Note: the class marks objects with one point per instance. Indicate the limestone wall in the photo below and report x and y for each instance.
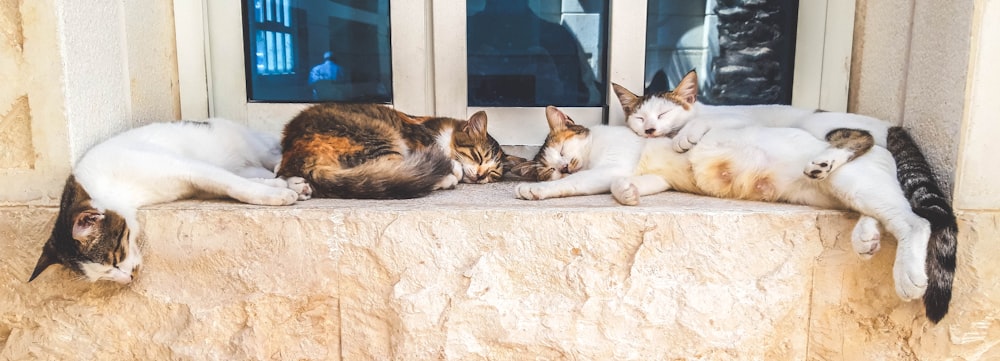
(73, 73)
(680, 277)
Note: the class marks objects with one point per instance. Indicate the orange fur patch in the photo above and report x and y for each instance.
(319, 150)
(721, 179)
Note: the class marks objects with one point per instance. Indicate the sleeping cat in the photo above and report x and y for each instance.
(374, 151)
(96, 228)
(754, 163)
(677, 114)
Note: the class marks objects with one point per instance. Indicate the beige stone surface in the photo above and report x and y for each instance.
(15, 135)
(473, 274)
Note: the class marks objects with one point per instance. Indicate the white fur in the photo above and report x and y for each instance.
(613, 154)
(628, 166)
(163, 162)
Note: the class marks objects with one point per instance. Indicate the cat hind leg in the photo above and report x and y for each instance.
(845, 146)
(266, 177)
(221, 182)
(873, 190)
(300, 186)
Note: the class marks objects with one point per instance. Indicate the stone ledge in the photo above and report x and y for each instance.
(474, 274)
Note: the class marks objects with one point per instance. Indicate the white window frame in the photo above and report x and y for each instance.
(429, 79)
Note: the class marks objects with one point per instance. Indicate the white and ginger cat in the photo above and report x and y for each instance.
(753, 163)
(96, 228)
(677, 114)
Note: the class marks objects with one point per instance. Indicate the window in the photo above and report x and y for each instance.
(344, 47)
(534, 54)
(743, 52)
(508, 57)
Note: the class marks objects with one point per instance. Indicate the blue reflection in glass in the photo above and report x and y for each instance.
(318, 51)
(536, 53)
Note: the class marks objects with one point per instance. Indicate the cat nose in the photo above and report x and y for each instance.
(564, 169)
(650, 131)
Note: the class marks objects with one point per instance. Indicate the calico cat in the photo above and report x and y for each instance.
(754, 163)
(96, 227)
(678, 114)
(376, 152)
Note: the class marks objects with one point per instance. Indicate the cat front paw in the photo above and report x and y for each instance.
(625, 192)
(530, 191)
(910, 278)
(865, 238)
(300, 187)
(448, 182)
(689, 136)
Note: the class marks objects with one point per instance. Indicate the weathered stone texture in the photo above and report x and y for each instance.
(473, 274)
(15, 136)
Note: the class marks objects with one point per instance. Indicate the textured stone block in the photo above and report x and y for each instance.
(473, 274)
(15, 135)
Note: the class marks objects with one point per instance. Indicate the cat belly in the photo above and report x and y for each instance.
(761, 164)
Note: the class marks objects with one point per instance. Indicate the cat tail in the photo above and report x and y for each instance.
(414, 176)
(928, 201)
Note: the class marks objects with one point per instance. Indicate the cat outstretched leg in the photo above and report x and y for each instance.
(628, 190)
(218, 181)
(586, 182)
(869, 186)
(266, 177)
(845, 146)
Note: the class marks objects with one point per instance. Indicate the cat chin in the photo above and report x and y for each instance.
(98, 272)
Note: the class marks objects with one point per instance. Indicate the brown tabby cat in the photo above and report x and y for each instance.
(372, 151)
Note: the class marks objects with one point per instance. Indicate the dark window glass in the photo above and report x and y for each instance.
(537, 53)
(743, 51)
(318, 50)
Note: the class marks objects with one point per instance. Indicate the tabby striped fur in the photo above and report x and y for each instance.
(372, 151)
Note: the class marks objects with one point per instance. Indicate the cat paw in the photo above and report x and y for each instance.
(866, 237)
(625, 192)
(910, 278)
(825, 163)
(279, 197)
(300, 187)
(530, 191)
(818, 169)
(689, 136)
(448, 182)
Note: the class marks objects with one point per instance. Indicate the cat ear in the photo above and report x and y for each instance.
(477, 124)
(85, 225)
(687, 89)
(557, 119)
(629, 100)
(47, 259)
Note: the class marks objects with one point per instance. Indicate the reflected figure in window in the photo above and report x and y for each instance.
(516, 58)
(326, 79)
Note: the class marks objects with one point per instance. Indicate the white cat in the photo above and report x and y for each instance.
(96, 228)
(755, 163)
(677, 114)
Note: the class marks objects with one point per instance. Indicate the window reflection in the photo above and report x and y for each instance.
(743, 51)
(319, 50)
(536, 53)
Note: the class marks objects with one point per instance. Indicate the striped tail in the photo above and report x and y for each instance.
(412, 177)
(927, 200)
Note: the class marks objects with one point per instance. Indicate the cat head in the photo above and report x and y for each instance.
(660, 114)
(91, 242)
(564, 152)
(480, 155)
